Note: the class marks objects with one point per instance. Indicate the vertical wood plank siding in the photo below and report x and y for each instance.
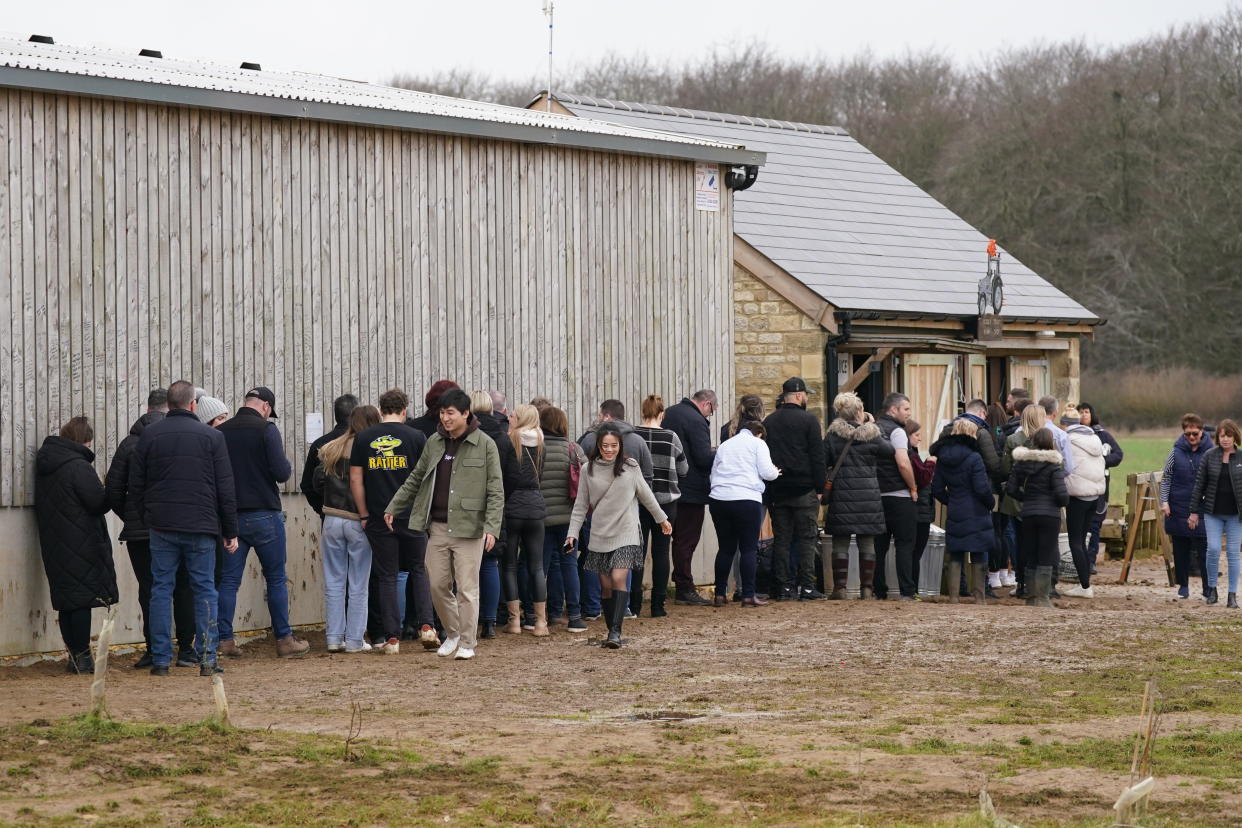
(142, 244)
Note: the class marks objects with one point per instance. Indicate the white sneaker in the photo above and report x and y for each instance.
(392, 647)
(449, 646)
(336, 648)
(365, 648)
(994, 580)
(1008, 578)
(464, 653)
(1079, 592)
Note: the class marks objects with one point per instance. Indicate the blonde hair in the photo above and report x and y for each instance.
(1033, 419)
(847, 404)
(526, 417)
(332, 453)
(965, 427)
(481, 402)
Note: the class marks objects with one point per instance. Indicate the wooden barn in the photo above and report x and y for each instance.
(164, 219)
(851, 276)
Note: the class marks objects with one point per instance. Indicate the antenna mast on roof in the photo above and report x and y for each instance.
(547, 10)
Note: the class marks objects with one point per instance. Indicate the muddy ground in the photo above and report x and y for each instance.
(816, 713)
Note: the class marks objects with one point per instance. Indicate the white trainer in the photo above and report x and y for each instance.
(1008, 578)
(392, 647)
(994, 580)
(1079, 592)
(449, 646)
(336, 648)
(464, 653)
(364, 648)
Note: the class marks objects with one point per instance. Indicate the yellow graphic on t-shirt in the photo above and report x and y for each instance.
(385, 446)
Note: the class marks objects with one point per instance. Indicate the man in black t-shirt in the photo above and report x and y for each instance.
(383, 457)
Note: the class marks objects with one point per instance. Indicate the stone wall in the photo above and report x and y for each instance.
(774, 341)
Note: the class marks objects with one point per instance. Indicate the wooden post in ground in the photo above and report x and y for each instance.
(1136, 497)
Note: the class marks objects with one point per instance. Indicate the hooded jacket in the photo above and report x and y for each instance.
(686, 421)
(1178, 482)
(70, 504)
(796, 441)
(855, 507)
(1038, 482)
(987, 446)
(961, 483)
(1089, 479)
(1207, 479)
(116, 482)
(635, 447)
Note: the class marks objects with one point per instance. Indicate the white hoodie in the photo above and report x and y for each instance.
(1086, 480)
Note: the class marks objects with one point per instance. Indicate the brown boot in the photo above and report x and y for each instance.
(840, 571)
(866, 577)
(955, 579)
(541, 618)
(514, 627)
(229, 649)
(291, 646)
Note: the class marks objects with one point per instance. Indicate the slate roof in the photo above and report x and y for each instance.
(847, 225)
(104, 72)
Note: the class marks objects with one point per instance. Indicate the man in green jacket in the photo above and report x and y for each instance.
(456, 495)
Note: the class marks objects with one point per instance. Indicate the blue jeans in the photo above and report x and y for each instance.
(197, 552)
(564, 587)
(1230, 528)
(264, 532)
(346, 579)
(590, 592)
(489, 588)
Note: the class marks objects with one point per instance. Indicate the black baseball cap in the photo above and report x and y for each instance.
(264, 393)
(793, 385)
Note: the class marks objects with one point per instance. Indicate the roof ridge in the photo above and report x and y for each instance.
(698, 114)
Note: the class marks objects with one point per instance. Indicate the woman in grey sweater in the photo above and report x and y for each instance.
(611, 490)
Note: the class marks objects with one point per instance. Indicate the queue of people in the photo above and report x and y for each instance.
(472, 519)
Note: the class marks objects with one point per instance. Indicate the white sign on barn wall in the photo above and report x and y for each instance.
(707, 187)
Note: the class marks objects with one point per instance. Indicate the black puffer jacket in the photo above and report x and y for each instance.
(1038, 482)
(1203, 496)
(181, 479)
(70, 504)
(855, 507)
(796, 441)
(116, 482)
(498, 430)
(554, 479)
(523, 496)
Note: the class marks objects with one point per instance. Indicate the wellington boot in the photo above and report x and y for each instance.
(979, 578)
(621, 602)
(837, 594)
(1040, 588)
(541, 619)
(954, 578)
(514, 627)
(1028, 586)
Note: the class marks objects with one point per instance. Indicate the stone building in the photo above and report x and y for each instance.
(851, 276)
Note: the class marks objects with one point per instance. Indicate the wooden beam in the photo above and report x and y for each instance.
(778, 279)
(859, 375)
(1140, 494)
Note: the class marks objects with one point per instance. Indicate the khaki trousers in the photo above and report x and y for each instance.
(449, 560)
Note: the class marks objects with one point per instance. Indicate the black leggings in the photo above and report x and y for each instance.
(525, 541)
(75, 628)
(1040, 546)
(999, 559)
(1078, 516)
(1184, 550)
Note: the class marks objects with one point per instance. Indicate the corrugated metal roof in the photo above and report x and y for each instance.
(60, 67)
(850, 227)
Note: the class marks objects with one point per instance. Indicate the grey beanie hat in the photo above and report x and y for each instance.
(209, 408)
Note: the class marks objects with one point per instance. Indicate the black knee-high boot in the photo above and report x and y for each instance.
(617, 618)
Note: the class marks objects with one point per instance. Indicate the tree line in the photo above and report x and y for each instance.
(1115, 173)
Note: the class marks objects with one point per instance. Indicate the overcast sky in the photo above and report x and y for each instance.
(373, 40)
